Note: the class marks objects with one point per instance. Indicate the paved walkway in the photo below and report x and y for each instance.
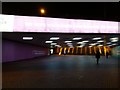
(62, 72)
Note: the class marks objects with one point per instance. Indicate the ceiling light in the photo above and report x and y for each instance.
(77, 38)
(92, 44)
(53, 43)
(67, 41)
(96, 38)
(100, 45)
(100, 41)
(27, 38)
(85, 41)
(80, 46)
(114, 40)
(109, 43)
(79, 42)
(54, 38)
(57, 45)
(114, 44)
(48, 41)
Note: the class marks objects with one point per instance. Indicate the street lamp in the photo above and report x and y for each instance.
(42, 11)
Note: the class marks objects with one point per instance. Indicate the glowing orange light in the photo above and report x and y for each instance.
(105, 50)
(72, 50)
(100, 50)
(60, 51)
(42, 11)
(68, 50)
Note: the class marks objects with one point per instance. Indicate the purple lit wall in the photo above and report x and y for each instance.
(59, 25)
(12, 51)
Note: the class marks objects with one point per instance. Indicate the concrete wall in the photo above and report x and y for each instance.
(116, 52)
(13, 51)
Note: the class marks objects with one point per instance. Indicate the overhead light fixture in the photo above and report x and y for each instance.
(70, 45)
(77, 38)
(97, 38)
(48, 41)
(100, 41)
(68, 41)
(79, 42)
(57, 45)
(114, 40)
(54, 38)
(53, 43)
(100, 45)
(108, 43)
(81, 46)
(85, 41)
(27, 38)
(114, 44)
(92, 44)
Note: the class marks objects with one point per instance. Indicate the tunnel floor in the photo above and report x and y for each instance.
(61, 72)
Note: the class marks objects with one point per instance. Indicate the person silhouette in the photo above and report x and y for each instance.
(107, 55)
(97, 55)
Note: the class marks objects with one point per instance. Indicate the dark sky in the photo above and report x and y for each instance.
(78, 10)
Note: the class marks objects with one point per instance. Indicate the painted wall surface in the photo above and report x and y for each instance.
(116, 52)
(12, 51)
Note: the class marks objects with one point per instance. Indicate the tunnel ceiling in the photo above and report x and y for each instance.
(40, 38)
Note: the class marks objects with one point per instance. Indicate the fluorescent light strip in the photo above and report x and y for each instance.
(77, 38)
(92, 44)
(53, 43)
(109, 43)
(48, 41)
(80, 46)
(79, 42)
(114, 41)
(54, 38)
(114, 44)
(100, 45)
(100, 41)
(115, 38)
(97, 38)
(85, 41)
(57, 45)
(68, 41)
(27, 38)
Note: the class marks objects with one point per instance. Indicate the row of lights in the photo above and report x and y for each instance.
(69, 43)
(83, 42)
